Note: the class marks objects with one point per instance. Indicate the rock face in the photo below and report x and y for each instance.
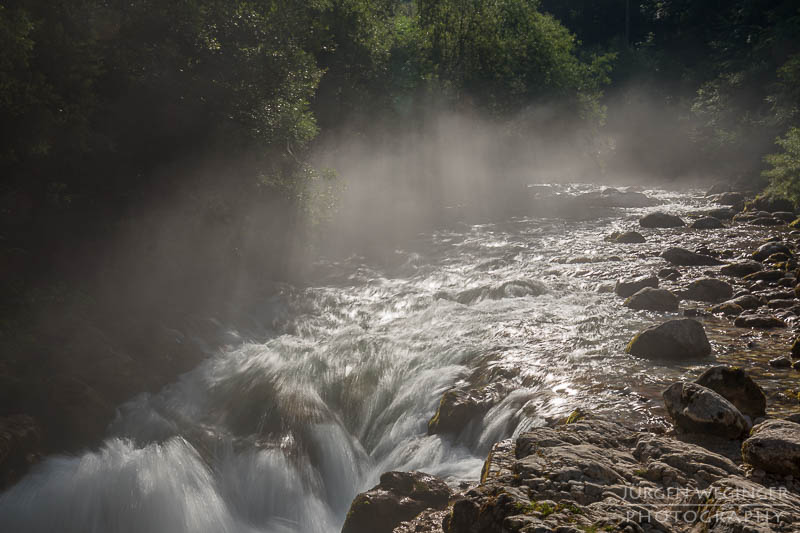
(707, 223)
(678, 339)
(594, 476)
(625, 288)
(661, 220)
(697, 409)
(774, 446)
(708, 290)
(651, 299)
(737, 387)
(399, 496)
(739, 270)
(770, 248)
(683, 257)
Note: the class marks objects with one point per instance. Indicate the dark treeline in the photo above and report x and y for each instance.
(156, 153)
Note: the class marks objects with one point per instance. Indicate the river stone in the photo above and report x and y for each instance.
(770, 204)
(708, 290)
(782, 303)
(766, 250)
(707, 223)
(677, 339)
(774, 446)
(683, 257)
(758, 321)
(727, 309)
(766, 221)
(780, 362)
(650, 299)
(796, 348)
(730, 198)
(737, 387)
(630, 237)
(458, 407)
(698, 409)
(739, 270)
(764, 275)
(626, 288)
(722, 213)
(786, 216)
(748, 301)
(399, 496)
(661, 220)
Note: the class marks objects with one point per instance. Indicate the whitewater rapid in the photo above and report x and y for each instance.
(278, 431)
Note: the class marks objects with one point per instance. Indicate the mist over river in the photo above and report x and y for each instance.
(333, 383)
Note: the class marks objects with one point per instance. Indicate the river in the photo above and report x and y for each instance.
(278, 430)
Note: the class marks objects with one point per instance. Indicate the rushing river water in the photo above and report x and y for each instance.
(279, 434)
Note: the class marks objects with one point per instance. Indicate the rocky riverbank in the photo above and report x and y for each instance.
(726, 455)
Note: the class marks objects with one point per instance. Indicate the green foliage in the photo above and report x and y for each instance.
(784, 176)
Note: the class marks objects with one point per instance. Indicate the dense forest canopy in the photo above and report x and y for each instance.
(108, 107)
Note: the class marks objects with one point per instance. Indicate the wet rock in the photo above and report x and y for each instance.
(708, 290)
(796, 365)
(796, 348)
(727, 309)
(669, 273)
(785, 216)
(747, 301)
(661, 220)
(739, 270)
(777, 295)
(770, 204)
(20, 447)
(722, 213)
(766, 221)
(782, 304)
(428, 521)
(730, 198)
(759, 322)
(651, 299)
(770, 248)
(683, 257)
(630, 237)
(626, 288)
(774, 446)
(678, 339)
(458, 407)
(780, 362)
(400, 496)
(764, 275)
(733, 384)
(697, 409)
(707, 223)
(777, 258)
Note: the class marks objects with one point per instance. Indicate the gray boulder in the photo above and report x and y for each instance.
(774, 446)
(737, 387)
(697, 409)
(730, 198)
(708, 290)
(678, 339)
(766, 250)
(399, 496)
(683, 257)
(748, 301)
(707, 223)
(739, 270)
(625, 288)
(650, 299)
(758, 321)
(629, 237)
(661, 220)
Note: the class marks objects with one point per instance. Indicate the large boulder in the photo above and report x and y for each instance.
(770, 204)
(708, 290)
(707, 223)
(650, 299)
(683, 257)
(678, 339)
(626, 288)
(661, 220)
(399, 496)
(737, 387)
(742, 269)
(774, 446)
(767, 249)
(697, 409)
